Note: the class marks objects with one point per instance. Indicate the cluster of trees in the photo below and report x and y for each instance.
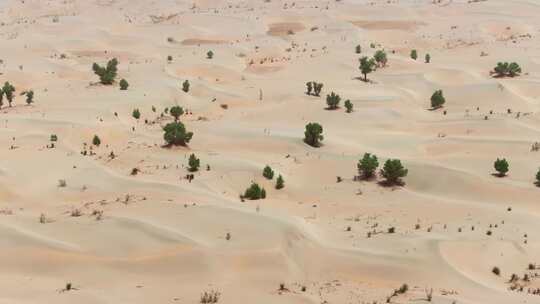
(254, 192)
(314, 88)
(505, 69)
(268, 173)
(333, 100)
(8, 90)
(392, 170)
(108, 73)
(414, 56)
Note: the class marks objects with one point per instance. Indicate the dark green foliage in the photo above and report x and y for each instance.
(185, 86)
(210, 55)
(54, 137)
(437, 99)
(414, 54)
(309, 86)
(313, 134)
(428, 58)
(9, 92)
(332, 101)
(123, 84)
(136, 114)
(176, 112)
(358, 49)
(268, 172)
(348, 106)
(538, 178)
(315, 87)
(176, 134)
(29, 96)
(254, 192)
(194, 163)
(96, 141)
(106, 74)
(280, 183)
(367, 166)
(381, 58)
(393, 171)
(505, 69)
(367, 65)
(501, 166)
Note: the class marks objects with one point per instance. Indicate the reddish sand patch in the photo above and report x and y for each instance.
(285, 28)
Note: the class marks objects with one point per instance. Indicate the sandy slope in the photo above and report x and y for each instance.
(161, 239)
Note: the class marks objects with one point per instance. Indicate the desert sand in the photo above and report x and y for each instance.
(78, 226)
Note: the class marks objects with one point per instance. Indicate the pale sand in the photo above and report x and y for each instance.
(162, 239)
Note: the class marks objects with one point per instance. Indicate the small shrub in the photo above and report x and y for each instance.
(136, 114)
(332, 101)
(358, 49)
(108, 73)
(96, 141)
(348, 106)
(437, 99)
(176, 112)
(414, 54)
(268, 173)
(501, 166)
(123, 84)
(254, 192)
(210, 55)
(185, 86)
(194, 163)
(428, 58)
(280, 183)
(367, 165)
(496, 271)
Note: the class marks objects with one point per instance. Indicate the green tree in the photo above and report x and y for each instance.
(136, 114)
(414, 54)
(309, 86)
(255, 192)
(317, 87)
(393, 171)
(428, 58)
(501, 166)
(332, 101)
(280, 183)
(504, 69)
(9, 92)
(381, 58)
(368, 165)
(367, 66)
(210, 55)
(313, 134)
(108, 73)
(123, 84)
(193, 163)
(96, 141)
(175, 134)
(29, 96)
(437, 99)
(348, 106)
(268, 173)
(176, 112)
(185, 86)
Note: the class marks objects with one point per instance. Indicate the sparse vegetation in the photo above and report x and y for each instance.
(280, 182)
(254, 192)
(193, 163)
(176, 112)
(437, 99)
(348, 106)
(332, 100)
(313, 134)
(393, 171)
(367, 166)
(185, 86)
(210, 55)
(136, 114)
(268, 173)
(414, 54)
(123, 84)
(108, 73)
(175, 134)
(367, 65)
(314, 87)
(505, 69)
(501, 166)
(96, 141)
